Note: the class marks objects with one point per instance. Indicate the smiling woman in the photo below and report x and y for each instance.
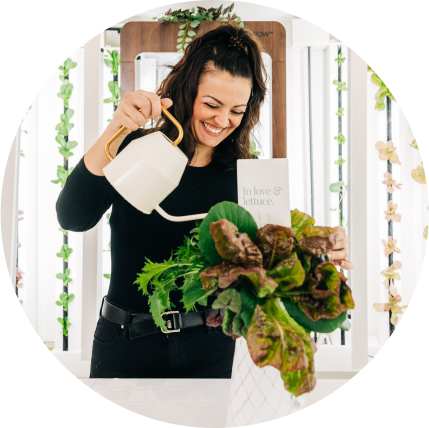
(218, 110)
(215, 91)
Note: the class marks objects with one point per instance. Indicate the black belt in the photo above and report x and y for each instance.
(142, 324)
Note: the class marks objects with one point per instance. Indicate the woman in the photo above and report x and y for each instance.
(215, 91)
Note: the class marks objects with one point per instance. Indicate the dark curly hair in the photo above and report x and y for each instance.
(207, 52)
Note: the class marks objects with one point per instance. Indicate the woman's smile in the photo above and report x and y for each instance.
(212, 130)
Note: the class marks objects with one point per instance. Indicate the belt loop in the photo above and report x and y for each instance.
(208, 328)
(125, 326)
(102, 303)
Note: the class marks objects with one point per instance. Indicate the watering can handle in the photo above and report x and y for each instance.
(167, 113)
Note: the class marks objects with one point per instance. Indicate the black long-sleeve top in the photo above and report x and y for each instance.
(135, 235)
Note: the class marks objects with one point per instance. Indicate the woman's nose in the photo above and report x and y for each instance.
(222, 119)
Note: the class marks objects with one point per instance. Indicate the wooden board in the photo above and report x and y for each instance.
(138, 37)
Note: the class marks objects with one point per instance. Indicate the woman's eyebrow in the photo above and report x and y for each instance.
(221, 103)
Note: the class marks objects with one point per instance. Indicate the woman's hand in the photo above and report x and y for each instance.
(339, 254)
(136, 108)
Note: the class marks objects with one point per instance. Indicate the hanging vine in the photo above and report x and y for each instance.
(340, 187)
(190, 19)
(63, 171)
(113, 61)
(387, 152)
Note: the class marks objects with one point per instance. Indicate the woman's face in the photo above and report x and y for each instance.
(219, 106)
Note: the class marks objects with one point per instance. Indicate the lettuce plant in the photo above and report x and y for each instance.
(391, 212)
(390, 246)
(419, 174)
(190, 19)
(390, 183)
(414, 144)
(253, 272)
(387, 152)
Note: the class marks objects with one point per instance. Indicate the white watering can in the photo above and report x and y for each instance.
(148, 170)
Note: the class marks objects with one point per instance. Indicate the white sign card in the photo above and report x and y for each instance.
(263, 190)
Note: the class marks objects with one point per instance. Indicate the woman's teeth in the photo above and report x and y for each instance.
(211, 129)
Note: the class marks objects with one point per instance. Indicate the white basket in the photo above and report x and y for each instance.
(257, 395)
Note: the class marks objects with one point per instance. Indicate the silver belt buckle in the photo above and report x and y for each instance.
(169, 323)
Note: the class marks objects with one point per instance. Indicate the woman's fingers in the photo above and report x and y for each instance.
(166, 102)
(341, 232)
(342, 243)
(338, 254)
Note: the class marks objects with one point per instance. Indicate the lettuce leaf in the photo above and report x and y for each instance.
(272, 341)
(234, 246)
(275, 242)
(262, 284)
(322, 325)
(237, 215)
(318, 240)
(288, 274)
(228, 298)
(299, 221)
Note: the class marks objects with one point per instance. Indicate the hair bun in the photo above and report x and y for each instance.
(236, 43)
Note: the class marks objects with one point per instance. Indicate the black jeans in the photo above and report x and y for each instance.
(194, 352)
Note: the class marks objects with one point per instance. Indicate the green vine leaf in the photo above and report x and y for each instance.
(65, 252)
(340, 59)
(340, 161)
(62, 175)
(340, 112)
(340, 138)
(336, 187)
(341, 86)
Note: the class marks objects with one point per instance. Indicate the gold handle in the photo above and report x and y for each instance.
(167, 113)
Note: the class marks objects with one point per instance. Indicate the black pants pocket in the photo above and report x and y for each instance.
(107, 332)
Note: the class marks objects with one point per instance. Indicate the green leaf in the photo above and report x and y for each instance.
(192, 33)
(107, 275)
(195, 23)
(228, 298)
(193, 293)
(60, 140)
(150, 271)
(275, 242)
(288, 274)
(336, 187)
(263, 285)
(182, 26)
(156, 309)
(236, 215)
(238, 326)
(274, 339)
(248, 303)
(299, 221)
(320, 326)
(181, 33)
(228, 318)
